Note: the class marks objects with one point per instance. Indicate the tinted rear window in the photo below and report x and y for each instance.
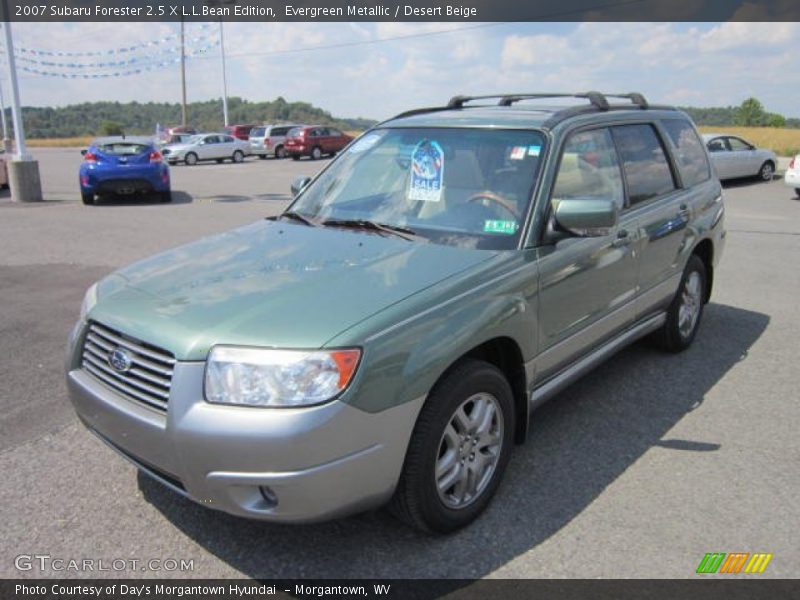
(258, 132)
(123, 149)
(280, 130)
(689, 153)
(644, 162)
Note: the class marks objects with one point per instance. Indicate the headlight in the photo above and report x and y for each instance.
(267, 377)
(89, 300)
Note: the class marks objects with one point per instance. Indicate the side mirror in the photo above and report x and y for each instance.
(83, 152)
(587, 217)
(298, 184)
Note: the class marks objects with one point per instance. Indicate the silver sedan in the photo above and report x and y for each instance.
(207, 146)
(734, 157)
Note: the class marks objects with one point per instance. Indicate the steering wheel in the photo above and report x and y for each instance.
(497, 199)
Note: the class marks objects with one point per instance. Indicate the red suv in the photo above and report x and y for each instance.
(315, 142)
(239, 131)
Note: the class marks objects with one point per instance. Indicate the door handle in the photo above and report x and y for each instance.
(622, 239)
(684, 212)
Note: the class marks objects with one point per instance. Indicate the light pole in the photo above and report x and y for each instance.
(183, 76)
(220, 4)
(224, 76)
(6, 141)
(23, 171)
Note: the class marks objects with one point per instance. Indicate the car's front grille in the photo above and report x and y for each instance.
(142, 372)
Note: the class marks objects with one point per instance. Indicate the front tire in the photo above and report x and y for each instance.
(686, 309)
(87, 198)
(767, 171)
(316, 153)
(458, 451)
(191, 159)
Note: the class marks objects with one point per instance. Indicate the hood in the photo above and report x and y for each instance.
(270, 284)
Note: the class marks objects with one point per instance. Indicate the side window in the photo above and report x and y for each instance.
(226, 139)
(334, 132)
(691, 158)
(644, 162)
(717, 145)
(279, 131)
(737, 144)
(589, 168)
(314, 133)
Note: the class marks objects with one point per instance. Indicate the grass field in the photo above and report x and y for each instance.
(71, 142)
(784, 142)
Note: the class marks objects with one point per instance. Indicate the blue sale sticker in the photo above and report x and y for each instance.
(427, 172)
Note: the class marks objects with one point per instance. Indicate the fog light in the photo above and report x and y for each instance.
(268, 495)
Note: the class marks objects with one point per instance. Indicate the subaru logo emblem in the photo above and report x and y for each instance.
(119, 360)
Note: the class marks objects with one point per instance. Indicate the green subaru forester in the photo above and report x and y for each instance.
(385, 339)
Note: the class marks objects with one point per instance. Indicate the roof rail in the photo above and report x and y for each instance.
(635, 98)
(597, 99)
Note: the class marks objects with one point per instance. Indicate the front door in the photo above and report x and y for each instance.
(587, 285)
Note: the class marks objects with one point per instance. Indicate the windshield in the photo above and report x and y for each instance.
(458, 187)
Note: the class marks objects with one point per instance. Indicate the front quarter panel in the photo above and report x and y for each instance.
(407, 349)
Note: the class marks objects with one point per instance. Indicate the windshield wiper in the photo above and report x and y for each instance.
(296, 216)
(396, 230)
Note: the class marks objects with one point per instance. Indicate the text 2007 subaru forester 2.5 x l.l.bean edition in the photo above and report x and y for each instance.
(385, 339)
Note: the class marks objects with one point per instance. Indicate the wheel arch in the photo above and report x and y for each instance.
(705, 252)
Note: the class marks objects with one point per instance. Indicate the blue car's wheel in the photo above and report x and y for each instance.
(87, 198)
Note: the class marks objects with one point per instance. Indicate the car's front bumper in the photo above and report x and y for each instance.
(317, 462)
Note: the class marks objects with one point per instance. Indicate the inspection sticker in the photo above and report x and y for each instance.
(427, 172)
(365, 143)
(517, 153)
(506, 227)
(534, 150)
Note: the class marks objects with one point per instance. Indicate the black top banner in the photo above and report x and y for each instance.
(404, 10)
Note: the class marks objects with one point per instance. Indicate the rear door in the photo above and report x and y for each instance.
(661, 208)
(744, 158)
(208, 148)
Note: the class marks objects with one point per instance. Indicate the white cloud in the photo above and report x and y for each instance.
(700, 64)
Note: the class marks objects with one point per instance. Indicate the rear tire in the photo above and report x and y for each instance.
(238, 156)
(191, 159)
(280, 152)
(87, 199)
(464, 432)
(767, 171)
(686, 310)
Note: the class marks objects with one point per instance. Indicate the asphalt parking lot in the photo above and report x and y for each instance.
(636, 471)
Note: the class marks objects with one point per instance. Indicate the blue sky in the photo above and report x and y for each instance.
(701, 64)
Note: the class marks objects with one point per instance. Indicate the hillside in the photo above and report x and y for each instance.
(140, 118)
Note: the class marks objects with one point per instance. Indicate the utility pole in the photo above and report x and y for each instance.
(6, 141)
(183, 76)
(23, 171)
(224, 77)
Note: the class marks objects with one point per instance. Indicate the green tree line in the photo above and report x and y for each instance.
(97, 118)
(750, 113)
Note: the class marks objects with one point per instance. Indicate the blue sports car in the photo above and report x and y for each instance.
(123, 165)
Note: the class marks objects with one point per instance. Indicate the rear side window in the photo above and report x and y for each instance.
(644, 162)
(689, 153)
(279, 130)
(589, 169)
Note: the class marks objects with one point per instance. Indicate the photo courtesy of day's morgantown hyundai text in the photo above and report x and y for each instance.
(385, 339)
